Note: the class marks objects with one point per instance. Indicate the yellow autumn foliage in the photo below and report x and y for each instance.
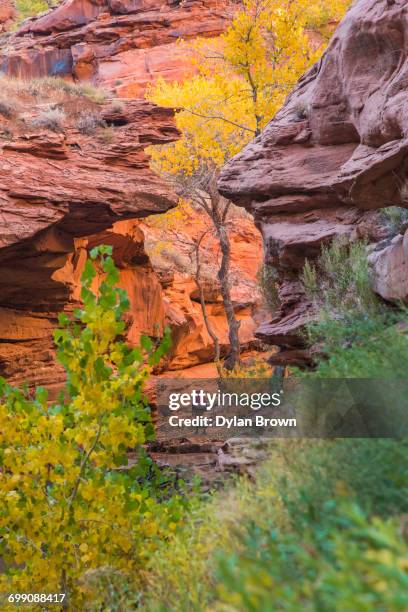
(242, 79)
(70, 503)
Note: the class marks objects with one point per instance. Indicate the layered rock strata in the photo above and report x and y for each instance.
(56, 186)
(120, 44)
(334, 154)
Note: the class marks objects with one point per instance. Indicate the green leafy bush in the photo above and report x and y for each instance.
(29, 8)
(396, 217)
(70, 502)
(314, 511)
(360, 565)
(354, 335)
(340, 279)
(370, 472)
(360, 346)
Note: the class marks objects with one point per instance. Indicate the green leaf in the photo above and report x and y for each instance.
(146, 343)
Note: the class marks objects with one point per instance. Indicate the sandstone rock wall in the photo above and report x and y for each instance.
(170, 257)
(59, 186)
(336, 152)
(120, 44)
(66, 188)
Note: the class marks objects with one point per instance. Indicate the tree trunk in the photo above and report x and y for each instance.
(233, 358)
(207, 323)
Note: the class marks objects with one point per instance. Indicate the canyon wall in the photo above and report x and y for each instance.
(59, 186)
(334, 154)
(171, 256)
(120, 44)
(74, 173)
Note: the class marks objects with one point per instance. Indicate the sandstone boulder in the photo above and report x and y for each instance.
(389, 267)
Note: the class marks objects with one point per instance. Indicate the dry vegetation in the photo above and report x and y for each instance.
(55, 89)
(52, 103)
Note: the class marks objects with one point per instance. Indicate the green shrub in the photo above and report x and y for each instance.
(340, 279)
(360, 565)
(370, 472)
(354, 335)
(30, 8)
(305, 520)
(360, 346)
(396, 217)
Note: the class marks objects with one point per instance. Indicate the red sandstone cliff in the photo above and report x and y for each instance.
(336, 151)
(73, 173)
(58, 184)
(120, 44)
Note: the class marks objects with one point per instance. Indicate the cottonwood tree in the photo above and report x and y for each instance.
(242, 79)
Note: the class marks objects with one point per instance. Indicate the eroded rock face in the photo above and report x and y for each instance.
(120, 44)
(68, 188)
(336, 152)
(389, 269)
(59, 186)
(7, 14)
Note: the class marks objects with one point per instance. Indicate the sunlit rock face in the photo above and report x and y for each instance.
(336, 152)
(120, 44)
(170, 256)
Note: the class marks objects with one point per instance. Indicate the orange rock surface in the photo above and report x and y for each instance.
(64, 189)
(169, 254)
(7, 14)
